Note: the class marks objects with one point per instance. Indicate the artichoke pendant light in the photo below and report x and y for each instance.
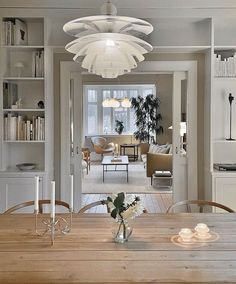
(108, 45)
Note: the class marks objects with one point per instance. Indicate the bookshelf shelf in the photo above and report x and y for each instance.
(225, 78)
(23, 78)
(24, 141)
(23, 110)
(24, 47)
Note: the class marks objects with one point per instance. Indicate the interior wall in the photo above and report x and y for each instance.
(200, 58)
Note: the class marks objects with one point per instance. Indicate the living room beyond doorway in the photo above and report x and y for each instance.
(109, 171)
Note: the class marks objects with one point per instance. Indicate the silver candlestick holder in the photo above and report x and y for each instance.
(53, 226)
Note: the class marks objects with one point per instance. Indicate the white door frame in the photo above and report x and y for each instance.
(152, 67)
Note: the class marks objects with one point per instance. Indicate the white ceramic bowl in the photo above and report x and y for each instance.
(202, 229)
(186, 234)
(26, 166)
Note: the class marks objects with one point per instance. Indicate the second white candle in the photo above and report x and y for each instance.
(53, 200)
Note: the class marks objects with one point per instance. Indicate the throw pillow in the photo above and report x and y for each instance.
(154, 149)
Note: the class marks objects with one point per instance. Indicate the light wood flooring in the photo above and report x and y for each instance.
(154, 203)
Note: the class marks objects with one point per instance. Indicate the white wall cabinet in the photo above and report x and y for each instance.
(17, 190)
(224, 191)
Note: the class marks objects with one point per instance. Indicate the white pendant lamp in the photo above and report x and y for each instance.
(108, 45)
(126, 103)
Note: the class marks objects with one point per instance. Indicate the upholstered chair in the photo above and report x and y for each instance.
(101, 146)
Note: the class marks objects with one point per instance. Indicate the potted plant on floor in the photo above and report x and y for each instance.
(147, 118)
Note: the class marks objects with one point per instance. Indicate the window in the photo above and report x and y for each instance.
(101, 121)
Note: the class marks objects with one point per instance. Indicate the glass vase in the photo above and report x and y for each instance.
(122, 231)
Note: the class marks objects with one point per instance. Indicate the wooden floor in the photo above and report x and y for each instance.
(154, 203)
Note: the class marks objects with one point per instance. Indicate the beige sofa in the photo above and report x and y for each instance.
(155, 161)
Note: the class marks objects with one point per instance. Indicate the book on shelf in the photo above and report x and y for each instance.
(17, 127)
(38, 63)
(225, 66)
(10, 94)
(14, 32)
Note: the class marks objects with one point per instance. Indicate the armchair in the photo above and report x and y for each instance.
(101, 146)
(155, 161)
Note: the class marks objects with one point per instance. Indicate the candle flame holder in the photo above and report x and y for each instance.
(53, 226)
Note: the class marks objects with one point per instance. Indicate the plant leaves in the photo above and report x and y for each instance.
(114, 213)
(118, 202)
(109, 199)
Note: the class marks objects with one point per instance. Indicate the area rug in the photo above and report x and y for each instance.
(116, 181)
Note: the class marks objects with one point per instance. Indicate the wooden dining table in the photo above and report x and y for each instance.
(88, 253)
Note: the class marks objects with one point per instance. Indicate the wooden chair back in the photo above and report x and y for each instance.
(200, 203)
(93, 204)
(31, 203)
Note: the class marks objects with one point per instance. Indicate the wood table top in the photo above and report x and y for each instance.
(89, 255)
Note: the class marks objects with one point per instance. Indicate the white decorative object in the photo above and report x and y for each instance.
(53, 200)
(26, 166)
(105, 44)
(116, 149)
(36, 201)
(19, 66)
(186, 234)
(202, 231)
(71, 192)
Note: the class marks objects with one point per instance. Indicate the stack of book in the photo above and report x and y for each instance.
(38, 63)
(14, 32)
(20, 128)
(225, 67)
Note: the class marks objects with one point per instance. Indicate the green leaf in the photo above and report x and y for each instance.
(118, 202)
(114, 213)
(109, 199)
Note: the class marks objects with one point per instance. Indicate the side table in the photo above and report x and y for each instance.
(132, 157)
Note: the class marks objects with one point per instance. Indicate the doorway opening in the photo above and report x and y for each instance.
(181, 169)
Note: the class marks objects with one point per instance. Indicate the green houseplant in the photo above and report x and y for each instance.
(119, 126)
(147, 118)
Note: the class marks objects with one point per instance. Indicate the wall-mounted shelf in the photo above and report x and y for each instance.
(23, 47)
(23, 78)
(24, 110)
(24, 141)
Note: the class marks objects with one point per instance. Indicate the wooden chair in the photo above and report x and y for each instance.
(93, 204)
(200, 204)
(98, 203)
(31, 203)
(86, 158)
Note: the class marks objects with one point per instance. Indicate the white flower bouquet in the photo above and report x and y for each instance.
(122, 208)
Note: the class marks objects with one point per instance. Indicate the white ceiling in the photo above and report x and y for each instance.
(122, 4)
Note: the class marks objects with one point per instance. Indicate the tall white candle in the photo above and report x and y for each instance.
(36, 199)
(53, 200)
(116, 149)
(71, 192)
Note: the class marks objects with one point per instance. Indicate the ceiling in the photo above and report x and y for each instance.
(122, 4)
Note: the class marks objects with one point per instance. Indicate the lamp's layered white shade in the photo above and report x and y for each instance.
(109, 54)
(107, 24)
(114, 103)
(126, 103)
(106, 103)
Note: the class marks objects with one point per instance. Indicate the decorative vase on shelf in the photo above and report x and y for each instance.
(121, 231)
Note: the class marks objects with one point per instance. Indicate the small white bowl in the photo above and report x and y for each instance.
(202, 230)
(186, 234)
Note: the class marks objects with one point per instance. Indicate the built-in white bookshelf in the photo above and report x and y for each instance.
(23, 93)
